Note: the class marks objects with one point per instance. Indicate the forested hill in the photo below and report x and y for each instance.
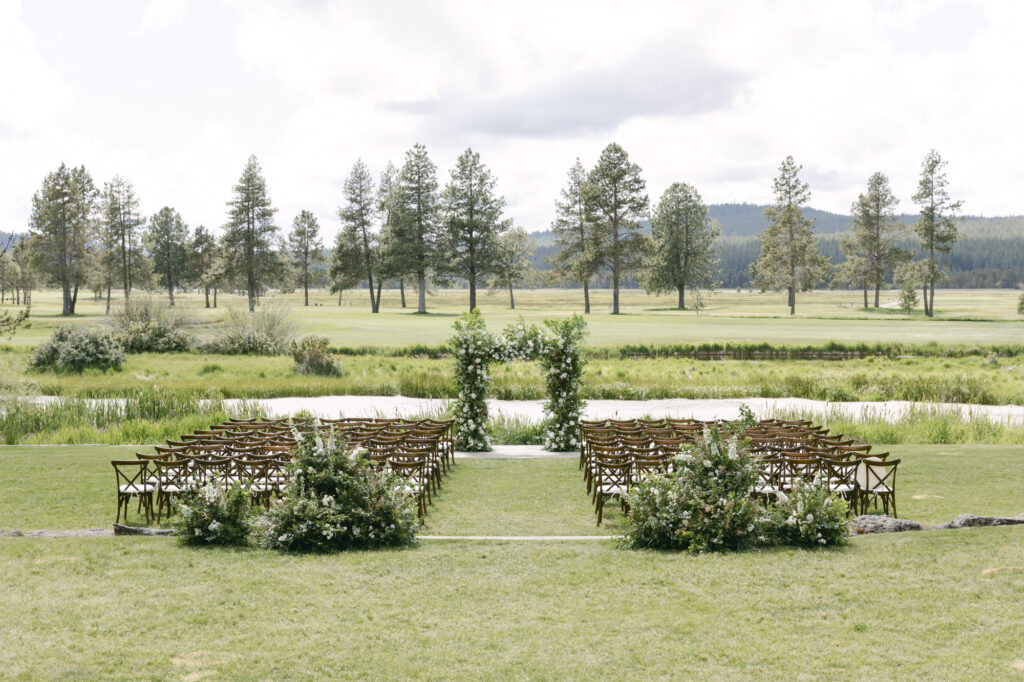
(990, 252)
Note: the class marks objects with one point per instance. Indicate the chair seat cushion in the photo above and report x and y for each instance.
(136, 489)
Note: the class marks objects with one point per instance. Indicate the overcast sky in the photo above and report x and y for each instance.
(176, 94)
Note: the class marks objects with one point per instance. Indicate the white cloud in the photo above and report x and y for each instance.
(711, 93)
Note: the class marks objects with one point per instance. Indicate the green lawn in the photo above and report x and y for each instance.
(73, 487)
(940, 605)
(963, 316)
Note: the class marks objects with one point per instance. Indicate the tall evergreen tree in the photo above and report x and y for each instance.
(417, 234)
(854, 270)
(248, 235)
(574, 234)
(615, 202)
(512, 262)
(121, 232)
(684, 244)
(346, 262)
(389, 262)
(204, 264)
(472, 221)
(62, 223)
(937, 227)
(167, 241)
(789, 258)
(876, 231)
(357, 222)
(306, 247)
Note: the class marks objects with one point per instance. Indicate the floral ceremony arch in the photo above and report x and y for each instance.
(557, 346)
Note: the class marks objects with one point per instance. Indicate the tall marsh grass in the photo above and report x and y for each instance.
(145, 416)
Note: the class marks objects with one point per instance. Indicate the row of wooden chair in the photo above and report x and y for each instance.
(257, 452)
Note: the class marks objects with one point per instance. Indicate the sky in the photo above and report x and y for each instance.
(176, 94)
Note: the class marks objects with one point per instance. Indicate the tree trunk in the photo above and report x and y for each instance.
(376, 306)
(682, 297)
(472, 292)
(511, 298)
(878, 287)
(931, 301)
(401, 289)
(108, 299)
(340, 291)
(865, 294)
(924, 299)
(421, 281)
(586, 298)
(373, 302)
(792, 300)
(215, 297)
(65, 291)
(206, 290)
(170, 293)
(74, 299)
(305, 288)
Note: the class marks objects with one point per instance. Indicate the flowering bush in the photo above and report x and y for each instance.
(312, 357)
(73, 349)
(704, 506)
(212, 515)
(559, 353)
(808, 516)
(335, 501)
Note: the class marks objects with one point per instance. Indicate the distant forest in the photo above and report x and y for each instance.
(989, 254)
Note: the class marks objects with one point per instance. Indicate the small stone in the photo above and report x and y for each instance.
(873, 523)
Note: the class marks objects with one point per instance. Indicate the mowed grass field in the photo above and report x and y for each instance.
(981, 317)
(941, 604)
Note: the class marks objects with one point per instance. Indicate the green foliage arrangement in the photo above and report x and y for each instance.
(809, 516)
(312, 356)
(266, 331)
(705, 506)
(336, 501)
(213, 515)
(75, 348)
(143, 325)
(558, 348)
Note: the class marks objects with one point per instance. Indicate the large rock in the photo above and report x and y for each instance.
(873, 523)
(10, 533)
(973, 521)
(138, 530)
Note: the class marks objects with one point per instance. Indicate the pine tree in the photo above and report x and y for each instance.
(417, 234)
(249, 232)
(684, 244)
(937, 227)
(167, 241)
(357, 222)
(346, 262)
(472, 221)
(575, 237)
(62, 223)
(615, 202)
(306, 247)
(122, 232)
(205, 264)
(512, 262)
(875, 232)
(789, 248)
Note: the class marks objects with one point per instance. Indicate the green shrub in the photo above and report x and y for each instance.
(336, 501)
(1020, 304)
(810, 516)
(704, 506)
(312, 356)
(213, 516)
(143, 325)
(267, 331)
(75, 348)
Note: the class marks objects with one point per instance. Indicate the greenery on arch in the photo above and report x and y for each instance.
(557, 346)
